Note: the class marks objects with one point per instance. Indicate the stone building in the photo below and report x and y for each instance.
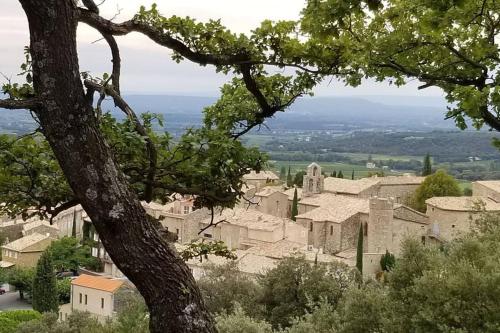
(261, 179)
(96, 295)
(313, 182)
(25, 251)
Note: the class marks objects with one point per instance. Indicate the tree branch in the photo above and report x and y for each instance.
(150, 147)
(12, 104)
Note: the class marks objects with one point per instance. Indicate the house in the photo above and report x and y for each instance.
(259, 179)
(41, 227)
(451, 216)
(94, 294)
(25, 251)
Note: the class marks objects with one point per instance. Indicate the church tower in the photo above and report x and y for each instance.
(313, 180)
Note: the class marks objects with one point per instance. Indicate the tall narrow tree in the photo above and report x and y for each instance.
(359, 251)
(295, 202)
(289, 179)
(340, 174)
(44, 293)
(334, 174)
(352, 175)
(283, 173)
(427, 168)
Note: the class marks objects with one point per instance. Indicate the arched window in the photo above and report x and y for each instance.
(311, 185)
(311, 226)
(365, 227)
(331, 230)
(315, 171)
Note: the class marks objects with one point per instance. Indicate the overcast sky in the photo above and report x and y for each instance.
(148, 69)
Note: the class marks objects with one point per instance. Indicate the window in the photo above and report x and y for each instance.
(80, 298)
(453, 226)
(102, 303)
(423, 240)
(177, 232)
(331, 230)
(311, 226)
(207, 235)
(186, 209)
(85, 299)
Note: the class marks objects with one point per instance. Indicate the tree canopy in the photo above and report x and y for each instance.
(439, 184)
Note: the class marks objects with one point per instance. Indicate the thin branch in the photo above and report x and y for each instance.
(150, 147)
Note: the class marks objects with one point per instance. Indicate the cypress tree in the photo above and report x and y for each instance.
(44, 285)
(283, 173)
(73, 230)
(334, 174)
(295, 209)
(359, 252)
(340, 174)
(289, 180)
(352, 175)
(427, 169)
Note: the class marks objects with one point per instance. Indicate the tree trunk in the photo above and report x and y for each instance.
(69, 124)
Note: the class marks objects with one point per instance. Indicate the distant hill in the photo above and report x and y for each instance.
(317, 113)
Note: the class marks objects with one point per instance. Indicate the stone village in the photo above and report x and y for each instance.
(331, 212)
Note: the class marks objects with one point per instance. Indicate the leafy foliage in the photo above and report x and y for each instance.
(294, 285)
(201, 250)
(10, 320)
(447, 44)
(440, 184)
(387, 261)
(68, 254)
(225, 285)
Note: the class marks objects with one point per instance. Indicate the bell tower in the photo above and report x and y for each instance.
(313, 180)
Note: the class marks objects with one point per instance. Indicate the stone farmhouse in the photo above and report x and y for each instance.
(25, 251)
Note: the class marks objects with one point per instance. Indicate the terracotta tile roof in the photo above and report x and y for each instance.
(262, 175)
(98, 283)
(26, 241)
(464, 204)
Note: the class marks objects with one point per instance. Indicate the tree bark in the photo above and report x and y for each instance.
(69, 124)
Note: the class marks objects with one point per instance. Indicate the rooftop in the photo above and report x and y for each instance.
(262, 175)
(348, 186)
(492, 184)
(249, 218)
(465, 204)
(400, 180)
(37, 223)
(22, 243)
(334, 208)
(98, 283)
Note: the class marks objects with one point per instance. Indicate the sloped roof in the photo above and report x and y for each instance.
(334, 208)
(262, 175)
(268, 190)
(37, 223)
(492, 184)
(24, 242)
(98, 283)
(250, 218)
(400, 180)
(348, 186)
(464, 204)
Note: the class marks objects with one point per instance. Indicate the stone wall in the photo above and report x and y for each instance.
(448, 224)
